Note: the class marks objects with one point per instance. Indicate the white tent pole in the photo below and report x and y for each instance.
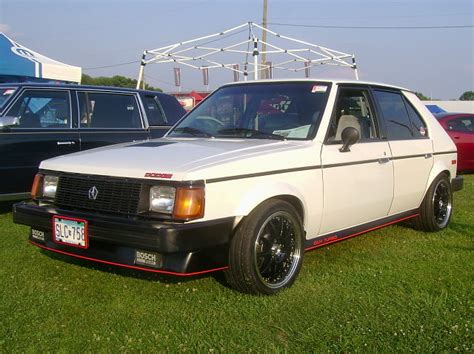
(255, 58)
(354, 66)
(142, 69)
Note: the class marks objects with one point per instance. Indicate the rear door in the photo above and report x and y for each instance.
(46, 130)
(358, 185)
(107, 117)
(412, 150)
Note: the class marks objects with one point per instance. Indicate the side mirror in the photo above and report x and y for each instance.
(9, 121)
(349, 136)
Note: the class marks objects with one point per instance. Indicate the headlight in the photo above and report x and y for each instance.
(185, 203)
(50, 184)
(162, 199)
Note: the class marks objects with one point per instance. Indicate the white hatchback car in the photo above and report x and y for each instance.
(253, 177)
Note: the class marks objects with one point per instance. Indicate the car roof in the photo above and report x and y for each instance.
(328, 80)
(75, 86)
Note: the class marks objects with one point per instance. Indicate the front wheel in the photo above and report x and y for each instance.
(437, 206)
(266, 252)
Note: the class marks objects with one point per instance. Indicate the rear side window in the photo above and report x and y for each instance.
(397, 120)
(154, 111)
(172, 108)
(462, 124)
(42, 109)
(108, 110)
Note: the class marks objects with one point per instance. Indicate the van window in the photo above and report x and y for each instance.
(108, 110)
(42, 109)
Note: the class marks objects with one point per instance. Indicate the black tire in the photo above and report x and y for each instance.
(437, 206)
(267, 250)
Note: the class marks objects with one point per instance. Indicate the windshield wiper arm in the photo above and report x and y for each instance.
(192, 131)
(251, 133)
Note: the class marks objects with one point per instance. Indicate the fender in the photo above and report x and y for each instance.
(263, 191)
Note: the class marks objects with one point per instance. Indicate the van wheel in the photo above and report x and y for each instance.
(437, 206)
(266, 252)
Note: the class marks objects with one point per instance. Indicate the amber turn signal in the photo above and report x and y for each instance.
(189, 203)
(37, 187)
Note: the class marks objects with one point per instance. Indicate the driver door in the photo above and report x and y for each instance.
(358, 184)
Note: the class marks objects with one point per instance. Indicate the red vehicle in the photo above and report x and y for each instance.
(460, 127)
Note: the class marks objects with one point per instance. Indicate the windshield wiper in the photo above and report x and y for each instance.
(250, 133)
(193, 131)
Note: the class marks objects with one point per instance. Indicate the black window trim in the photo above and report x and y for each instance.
(19, 94)
(124, 93)
(380, 129)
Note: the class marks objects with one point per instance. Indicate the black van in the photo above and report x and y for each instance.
(39, 121)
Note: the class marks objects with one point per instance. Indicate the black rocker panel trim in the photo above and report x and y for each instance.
(333, 237)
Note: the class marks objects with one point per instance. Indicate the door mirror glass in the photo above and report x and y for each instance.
(349, 136)
(9, 121)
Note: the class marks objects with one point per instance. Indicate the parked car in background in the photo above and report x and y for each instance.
(291, 166)
(39, 121)
(460, 127)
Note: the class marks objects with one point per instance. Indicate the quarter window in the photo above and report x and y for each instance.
(154, 112)
(106, 110)
(417, 124)
(42, 109)
(353, 109)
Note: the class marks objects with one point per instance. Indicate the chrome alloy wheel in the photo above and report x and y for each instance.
(442, 203)
(278, 249)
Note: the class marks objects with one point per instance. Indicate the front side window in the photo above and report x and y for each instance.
(108, 110)
(353, 109)
(267, 111)
(462, 124)
(42, 109)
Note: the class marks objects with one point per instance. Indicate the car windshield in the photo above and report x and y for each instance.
(258, 111)
(5, 94)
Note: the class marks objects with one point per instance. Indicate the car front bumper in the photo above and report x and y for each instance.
(183, 248)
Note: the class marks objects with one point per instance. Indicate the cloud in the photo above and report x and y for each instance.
(5, 28)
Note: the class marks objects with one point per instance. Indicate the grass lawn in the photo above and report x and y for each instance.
(393, 289)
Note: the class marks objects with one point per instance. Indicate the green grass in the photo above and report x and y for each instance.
(393, 289)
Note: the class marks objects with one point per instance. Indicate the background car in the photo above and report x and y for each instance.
(460, 127)
(40, 121)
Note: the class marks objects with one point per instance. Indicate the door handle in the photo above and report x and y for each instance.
(384, 160)
(65, 142)
(428, 156)
(457, 137)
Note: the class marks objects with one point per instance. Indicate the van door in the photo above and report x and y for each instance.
(45, 130)
(109, 118)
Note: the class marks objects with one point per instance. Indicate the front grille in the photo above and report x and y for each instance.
(114, 195)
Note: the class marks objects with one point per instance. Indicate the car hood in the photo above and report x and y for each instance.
(185, 159)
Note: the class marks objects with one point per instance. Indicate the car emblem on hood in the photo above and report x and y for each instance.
(93, 193)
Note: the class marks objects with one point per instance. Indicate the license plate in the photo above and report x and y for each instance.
(70, 231)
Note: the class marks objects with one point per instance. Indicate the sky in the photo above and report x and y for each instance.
(94, 34)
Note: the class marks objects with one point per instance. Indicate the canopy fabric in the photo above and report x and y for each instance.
(19, 61)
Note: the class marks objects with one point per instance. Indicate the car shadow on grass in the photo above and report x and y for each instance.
(126, 272)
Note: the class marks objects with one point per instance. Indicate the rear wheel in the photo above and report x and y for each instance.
(266, 252)
(437, 206)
